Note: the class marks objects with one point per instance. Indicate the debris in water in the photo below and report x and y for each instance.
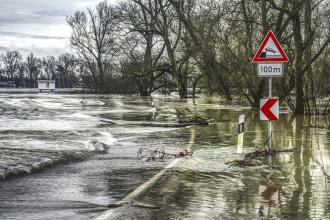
(260, 152)
(160, 154)
(320, 126)
(243, 163)
(183, 122)
(194, 120)
(265, 152)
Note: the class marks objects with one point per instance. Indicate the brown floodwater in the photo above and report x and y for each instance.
(288, 186)
(39, 130)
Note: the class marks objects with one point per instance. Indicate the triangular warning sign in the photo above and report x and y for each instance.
(270, 51)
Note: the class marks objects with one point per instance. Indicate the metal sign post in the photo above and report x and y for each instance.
(270, 58)
(269, 121)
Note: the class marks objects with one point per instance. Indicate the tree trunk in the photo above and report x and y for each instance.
(215, 76)
(146, 83)
(143, 83)
(182, 85)
(102, 84)
(308, 54)
(299, 76)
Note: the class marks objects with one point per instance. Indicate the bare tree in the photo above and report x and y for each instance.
(201, 20)
(11, 61)
(49, 67)
(303, 42)
(21, 79)
(167, 25)
(142, 47)
(65, 69)
(93, 39)
(33, 67)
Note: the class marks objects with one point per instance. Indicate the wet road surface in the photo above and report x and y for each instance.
(58, 160)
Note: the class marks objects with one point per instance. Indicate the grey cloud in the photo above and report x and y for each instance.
(53, 13)
(41, 11)
(24, 22)
(2, 48)
(40, 52)
(13, 19)
(23, 35)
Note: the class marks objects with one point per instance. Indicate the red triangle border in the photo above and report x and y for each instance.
(257, 59)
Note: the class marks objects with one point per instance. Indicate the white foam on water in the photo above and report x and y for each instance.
(107, 138)
(15, 102)
(100, 141)
(80, 115)
(50, 104)
(25, 161)
(92, 102)
(44, 125)
(141, 130)
(152, 110)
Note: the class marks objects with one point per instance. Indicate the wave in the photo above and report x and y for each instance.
(80, 115)
(19, 161)
(100, 141)
(92, 103)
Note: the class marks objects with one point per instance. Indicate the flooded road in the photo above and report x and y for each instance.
(60, 160)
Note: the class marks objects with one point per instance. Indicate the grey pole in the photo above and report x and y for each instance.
(270, 122)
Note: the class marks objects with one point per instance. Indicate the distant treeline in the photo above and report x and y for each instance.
(24, 73)
(173, 45)
(67, 70)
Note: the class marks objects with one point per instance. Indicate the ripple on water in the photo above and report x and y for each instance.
(40, 130)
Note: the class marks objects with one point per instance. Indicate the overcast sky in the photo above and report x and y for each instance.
(38, 26)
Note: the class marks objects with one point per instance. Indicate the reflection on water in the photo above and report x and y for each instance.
(39, 128)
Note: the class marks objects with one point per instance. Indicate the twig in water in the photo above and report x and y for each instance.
(260, 152)
(160, 154)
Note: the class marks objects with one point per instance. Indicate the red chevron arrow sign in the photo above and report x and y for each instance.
(269, 109)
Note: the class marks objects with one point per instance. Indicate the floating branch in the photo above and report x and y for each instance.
(194, 120)
(319, 126)
(242, 163)
(181, 123)
(160, 154)
(260, 152)
(249, 157)
(265, 152)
